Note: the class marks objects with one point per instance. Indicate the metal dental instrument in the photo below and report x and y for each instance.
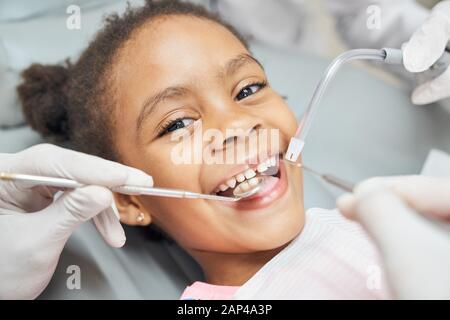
(387, 55)
(330, 178)
(176, 193)
(251, 192)
(33, 180)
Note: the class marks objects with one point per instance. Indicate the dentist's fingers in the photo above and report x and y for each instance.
(50, 160)
(109, 226)
(433, 90)
(75, 207)
(415, 250)
(381, 211)
(428, 43)
(427, 195)
(346, 205)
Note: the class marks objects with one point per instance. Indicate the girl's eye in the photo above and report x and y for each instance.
(177, 124)
(249, 90)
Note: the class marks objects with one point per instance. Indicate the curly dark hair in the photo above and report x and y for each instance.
(70, 103)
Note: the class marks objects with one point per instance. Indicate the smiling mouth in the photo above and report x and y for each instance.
(248, 178)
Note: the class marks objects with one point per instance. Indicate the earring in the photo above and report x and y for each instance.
(140, 217)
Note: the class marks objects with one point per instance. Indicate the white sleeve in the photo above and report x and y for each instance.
(398, 20)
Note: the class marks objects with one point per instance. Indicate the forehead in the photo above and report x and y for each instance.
(176, 45)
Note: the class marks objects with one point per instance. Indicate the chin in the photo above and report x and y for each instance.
(282, 233)
(270, 233)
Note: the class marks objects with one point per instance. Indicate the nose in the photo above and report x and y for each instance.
(237, 129)
(237, 135)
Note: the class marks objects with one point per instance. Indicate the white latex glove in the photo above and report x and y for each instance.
(34, 229)
(409, 218)
(424, 48)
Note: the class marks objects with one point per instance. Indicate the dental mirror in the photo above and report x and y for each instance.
(241, 194)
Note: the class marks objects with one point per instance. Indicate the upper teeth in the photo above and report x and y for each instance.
(239, 178)
(248, 174)
(231, 182)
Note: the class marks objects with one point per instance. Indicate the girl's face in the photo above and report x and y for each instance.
(178, 74)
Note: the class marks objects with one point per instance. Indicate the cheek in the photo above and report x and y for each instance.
(291, 121)
(158, 160)
(191, 223)
(178, 217)
(280, 116)
(173, 215)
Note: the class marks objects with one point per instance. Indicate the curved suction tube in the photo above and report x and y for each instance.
(387, 55)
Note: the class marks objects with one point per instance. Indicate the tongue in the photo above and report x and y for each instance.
(267, 185)
(264, 187)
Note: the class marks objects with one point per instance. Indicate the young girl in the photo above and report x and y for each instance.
(165, 68)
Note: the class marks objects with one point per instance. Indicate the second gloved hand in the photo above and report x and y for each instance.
(424, 48)
(409, 219)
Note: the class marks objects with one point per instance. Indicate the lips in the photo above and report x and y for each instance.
(247, 178)
(274, 187)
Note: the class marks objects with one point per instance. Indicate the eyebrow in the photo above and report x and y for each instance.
(238, 62)
(150, 104)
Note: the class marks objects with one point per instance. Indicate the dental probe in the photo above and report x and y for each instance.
(330, 178)
(33, 180)
(386, 55)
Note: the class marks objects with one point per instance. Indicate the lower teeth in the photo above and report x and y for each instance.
(246, 186)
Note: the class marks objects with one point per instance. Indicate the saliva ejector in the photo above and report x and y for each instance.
(386, 55)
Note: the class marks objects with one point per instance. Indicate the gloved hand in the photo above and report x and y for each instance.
(424, 48)
(409, 219)
(34, 229)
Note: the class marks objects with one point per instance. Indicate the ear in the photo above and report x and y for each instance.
(131, 210)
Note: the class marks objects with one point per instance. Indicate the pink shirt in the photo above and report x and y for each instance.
(204, 291)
